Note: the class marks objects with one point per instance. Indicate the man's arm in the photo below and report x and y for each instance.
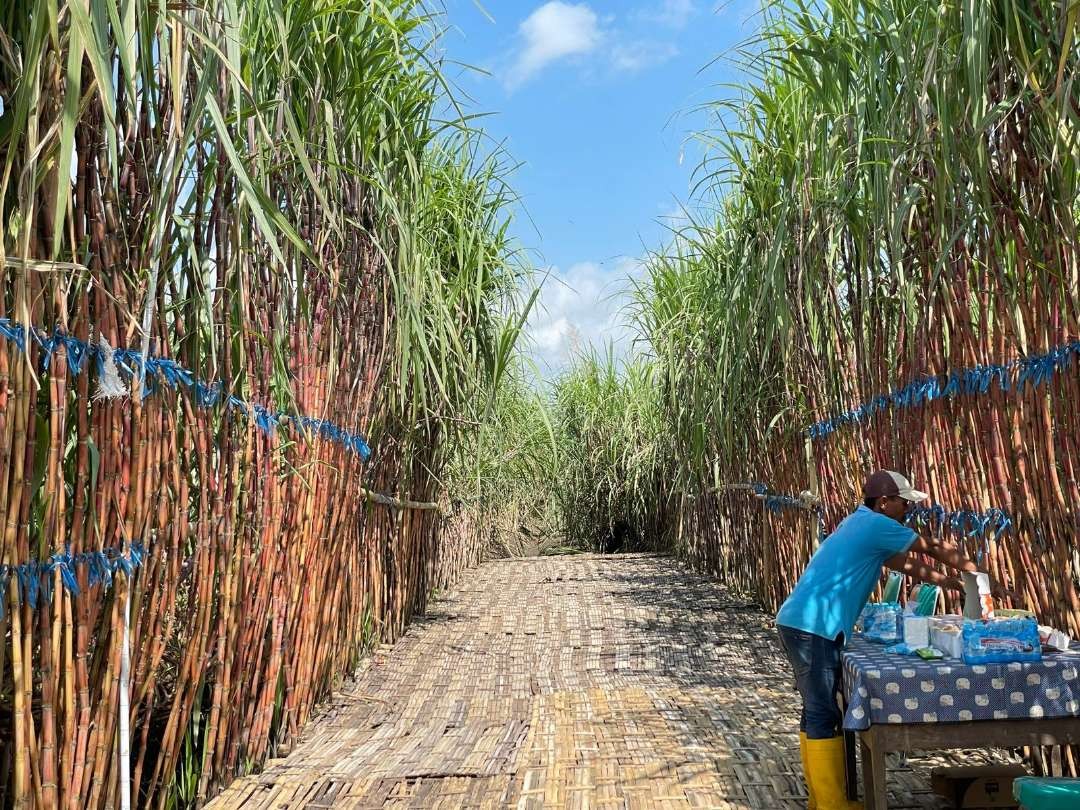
(949, 554)
(944, 551)
(913, 567)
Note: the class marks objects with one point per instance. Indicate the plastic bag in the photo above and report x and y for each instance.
(881, 622)
(1001, 642)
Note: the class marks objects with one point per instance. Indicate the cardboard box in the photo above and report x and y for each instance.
(977, 788)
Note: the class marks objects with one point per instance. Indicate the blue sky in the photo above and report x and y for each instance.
(596, 99)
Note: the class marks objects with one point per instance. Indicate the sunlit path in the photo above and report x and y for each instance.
(563, 682)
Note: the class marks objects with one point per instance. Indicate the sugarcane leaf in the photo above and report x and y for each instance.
(69, 118)
(95, 42)
(269, 219)
(1071, 16)
(300, 150)
(124, 30)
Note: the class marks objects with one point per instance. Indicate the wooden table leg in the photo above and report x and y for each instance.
(851, 776)
(875, 790)
(867, 775)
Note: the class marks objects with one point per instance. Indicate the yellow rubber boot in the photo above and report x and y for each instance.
(812, 802)
(825, 774)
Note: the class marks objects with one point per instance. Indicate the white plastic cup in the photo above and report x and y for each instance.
(917, 631)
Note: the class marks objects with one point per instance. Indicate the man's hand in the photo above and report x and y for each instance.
(916, 568)
(954, 584)
(949, 553)
(1000, 592)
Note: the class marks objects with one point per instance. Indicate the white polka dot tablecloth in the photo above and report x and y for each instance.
(885, 688)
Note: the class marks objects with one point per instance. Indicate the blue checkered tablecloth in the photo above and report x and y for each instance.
(885, 688)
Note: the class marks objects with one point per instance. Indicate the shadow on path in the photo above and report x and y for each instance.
(581, 681)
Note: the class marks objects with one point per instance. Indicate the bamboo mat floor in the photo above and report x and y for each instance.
(565, 682)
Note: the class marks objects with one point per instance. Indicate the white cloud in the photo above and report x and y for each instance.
(553, 32)
(634, 56)
(558, 31)
(672, 13)
(581, 306)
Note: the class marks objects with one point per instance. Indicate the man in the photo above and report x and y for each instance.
(818, 616)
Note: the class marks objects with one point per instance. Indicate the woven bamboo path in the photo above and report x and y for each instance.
(570, 682)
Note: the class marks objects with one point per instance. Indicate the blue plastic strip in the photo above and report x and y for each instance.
(963, 522)
(1035, 371)
(34, 578)
(175, 376)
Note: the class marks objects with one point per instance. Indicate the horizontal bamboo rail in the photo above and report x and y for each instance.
(398, 503)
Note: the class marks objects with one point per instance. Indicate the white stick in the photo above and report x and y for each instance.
(168, 168)
(125, 710)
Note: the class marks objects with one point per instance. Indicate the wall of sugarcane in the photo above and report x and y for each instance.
(614, 461)
(891, 280)
(504, 477)
(220, 332)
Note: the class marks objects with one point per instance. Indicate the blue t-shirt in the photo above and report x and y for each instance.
(842, 574)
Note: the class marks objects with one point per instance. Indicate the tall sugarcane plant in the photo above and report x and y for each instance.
(615, 460)
(281, 205)
(891, 198)
(505, 475)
